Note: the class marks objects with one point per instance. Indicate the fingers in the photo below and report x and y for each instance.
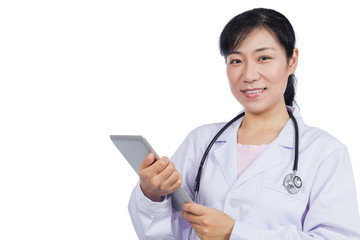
(193, 212)
(160, 165)
(162, 169)
(158, 178)
(174, 181)
(194, 209)
(148, 160)
(192, 219)
(156, 167)
(169, 179)
(165, 170)
(208, 223)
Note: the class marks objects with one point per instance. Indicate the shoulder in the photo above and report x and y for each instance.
(198, 138)
(206, 131)
(314, 138)
(320, 138)
(319, 148)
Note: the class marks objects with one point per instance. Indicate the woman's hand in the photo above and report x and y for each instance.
(208, 223)
(158, 179)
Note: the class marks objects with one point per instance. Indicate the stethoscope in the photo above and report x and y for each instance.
(292, 182)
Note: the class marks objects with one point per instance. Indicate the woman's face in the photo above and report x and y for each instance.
(258, 71)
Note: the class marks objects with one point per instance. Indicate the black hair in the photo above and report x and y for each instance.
(239, 27)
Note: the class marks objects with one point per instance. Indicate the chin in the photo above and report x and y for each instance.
(254, 111)
(255, 108)
(259, 107)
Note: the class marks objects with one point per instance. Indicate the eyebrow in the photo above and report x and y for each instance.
(264, 49)
(256, 50)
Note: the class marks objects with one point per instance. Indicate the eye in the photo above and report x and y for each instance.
(235, 61)
(264, 58)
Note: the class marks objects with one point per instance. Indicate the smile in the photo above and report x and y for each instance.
(253, 93)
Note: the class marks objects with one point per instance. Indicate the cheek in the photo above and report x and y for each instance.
(228, 73)
(277, 77)
(232, 76)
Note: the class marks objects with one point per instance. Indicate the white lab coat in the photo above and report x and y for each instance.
(324, 208)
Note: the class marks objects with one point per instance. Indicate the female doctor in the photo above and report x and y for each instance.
(243, 193)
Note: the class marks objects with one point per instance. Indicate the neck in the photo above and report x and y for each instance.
(273, 119)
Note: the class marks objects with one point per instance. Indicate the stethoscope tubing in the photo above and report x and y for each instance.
(198, 176)
(296, 158)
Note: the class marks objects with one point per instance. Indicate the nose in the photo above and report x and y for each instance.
(251, 72)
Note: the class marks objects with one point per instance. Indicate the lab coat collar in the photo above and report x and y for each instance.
(226, 150)
(286, 137)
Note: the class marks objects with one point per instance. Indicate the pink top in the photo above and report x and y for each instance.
(246, 155)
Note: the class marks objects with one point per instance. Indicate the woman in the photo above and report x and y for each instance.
(242, 193)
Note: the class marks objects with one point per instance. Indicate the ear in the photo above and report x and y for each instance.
(293, 61)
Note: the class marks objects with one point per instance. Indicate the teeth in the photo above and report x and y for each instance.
(255, 91)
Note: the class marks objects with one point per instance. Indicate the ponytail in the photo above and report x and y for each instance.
(289, 94)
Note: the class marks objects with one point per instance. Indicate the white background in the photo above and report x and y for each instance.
(73, 72)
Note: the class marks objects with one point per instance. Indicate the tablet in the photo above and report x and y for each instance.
(135, 148)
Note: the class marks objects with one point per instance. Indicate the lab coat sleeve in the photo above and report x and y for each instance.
(157, 220)
(332, 211)
(151, 220)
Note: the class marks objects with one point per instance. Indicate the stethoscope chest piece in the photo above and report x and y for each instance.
(292, 183)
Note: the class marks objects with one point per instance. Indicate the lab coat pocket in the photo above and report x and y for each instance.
(276, 207)
(280, 188)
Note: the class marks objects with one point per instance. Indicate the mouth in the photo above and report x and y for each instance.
(253, 93)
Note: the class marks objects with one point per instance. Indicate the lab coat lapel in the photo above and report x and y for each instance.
(225, 153)
(276, 152)
(226, 156)
(270, 157)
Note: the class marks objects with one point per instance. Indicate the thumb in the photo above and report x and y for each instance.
(148, 160)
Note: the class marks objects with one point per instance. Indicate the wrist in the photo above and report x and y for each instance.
(155, 198)
(150, 196)
(230, 232)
